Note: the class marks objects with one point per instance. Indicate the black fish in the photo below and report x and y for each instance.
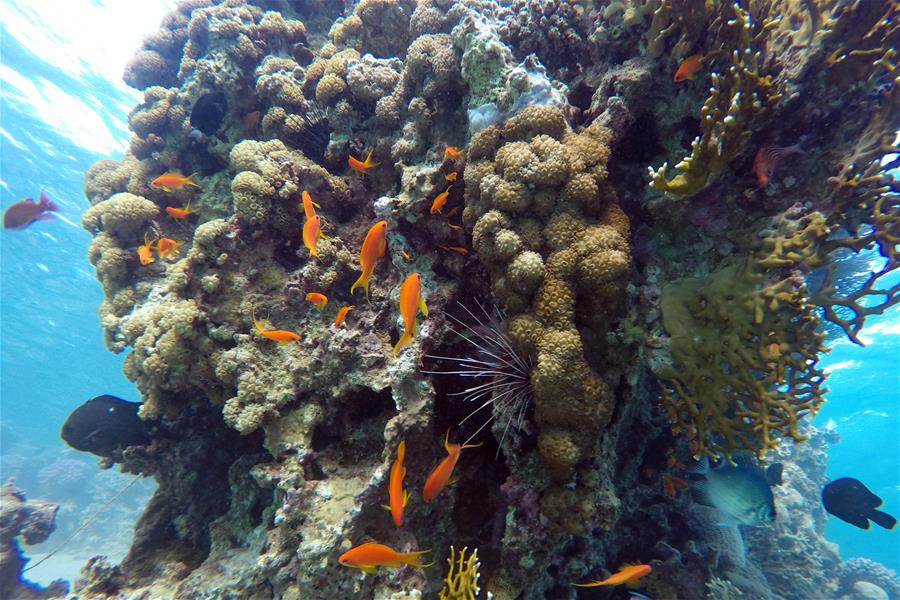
(209, 111)
(851, 501)
(105, 423)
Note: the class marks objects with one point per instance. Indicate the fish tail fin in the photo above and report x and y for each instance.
(46, 203)
(364, 282)
(883, 519)
(404, 341)
(189, 180)
(412, 559)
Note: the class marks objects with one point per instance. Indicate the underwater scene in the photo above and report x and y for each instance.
(450, 299)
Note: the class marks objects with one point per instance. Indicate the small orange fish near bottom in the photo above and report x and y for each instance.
(457, 249)
(342, 314)
(627, 574)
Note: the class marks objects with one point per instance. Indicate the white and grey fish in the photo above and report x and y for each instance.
(742, 492)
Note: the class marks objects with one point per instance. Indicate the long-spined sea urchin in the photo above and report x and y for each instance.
(503, 377)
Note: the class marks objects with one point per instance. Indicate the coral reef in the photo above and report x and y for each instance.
(33, 521)
(534, 123)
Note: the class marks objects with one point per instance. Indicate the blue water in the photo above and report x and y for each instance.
(63, 107)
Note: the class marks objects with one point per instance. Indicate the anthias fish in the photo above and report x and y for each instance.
(689, 68)
(167, 247)
(309, 207)
(373, 247)
(850, 500)
(317, 299)
(627, 574)
(277, 335)
(440, 200)
(411, 302)
(361, 166)
(370, 555)
(25, 212)
(342, 314)
(397, 496)
(312, 233)
(106, 423)
(145, 251)
(742, 492)
(440, 477)
(180, 213)
(172, 181)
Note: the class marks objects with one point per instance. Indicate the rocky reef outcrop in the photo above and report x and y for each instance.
(644, 317)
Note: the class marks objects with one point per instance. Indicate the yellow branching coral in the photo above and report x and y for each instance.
(744, 360)
(736, 98)
(461, 582)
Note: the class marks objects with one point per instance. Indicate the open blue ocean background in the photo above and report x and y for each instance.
(62, 107)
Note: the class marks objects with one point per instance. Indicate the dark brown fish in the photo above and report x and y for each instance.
(105, 423)
(25, 212)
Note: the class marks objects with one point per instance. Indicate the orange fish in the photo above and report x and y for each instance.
(457, 249)
(370, 555)
(397, 495)
(167, 247)
(318, 300)
(342, 314)
(145, 252)
(688, 68)
(627, 574)
(25, 212)
(451, 176)
(410, 303)
(278, 335)
(767, 158)
(454, 227)
(452, 153)
(439, 478)
(362, 166)
(373, 248)
(172, 181)
(439, 201)
(311, 234)
(308, 205)
(180, 213)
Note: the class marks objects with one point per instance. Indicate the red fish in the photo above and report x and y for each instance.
(688, 68)
(25, 212)
(767, 158)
